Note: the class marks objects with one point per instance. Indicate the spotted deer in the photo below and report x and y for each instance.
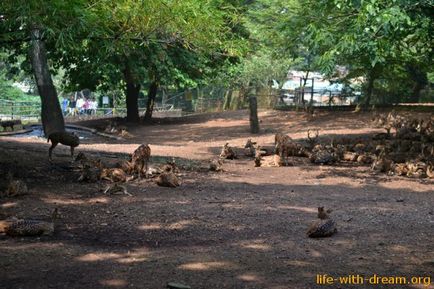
(258, 156)
(228, 152)
(312, 140)
(249, 148)
(168, 179)
(322, 229)
(65, 138)
(323, 214)
(140, 159)
(30, 227)
(285, 147)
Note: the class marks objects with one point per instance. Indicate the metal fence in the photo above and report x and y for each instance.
(19, 108)
(201, 99)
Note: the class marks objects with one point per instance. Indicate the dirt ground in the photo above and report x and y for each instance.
(242, 228)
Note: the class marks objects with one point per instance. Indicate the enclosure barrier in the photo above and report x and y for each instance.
(204, 99)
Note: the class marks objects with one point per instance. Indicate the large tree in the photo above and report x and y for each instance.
(26, 29)
(144, 42)
(371, 38)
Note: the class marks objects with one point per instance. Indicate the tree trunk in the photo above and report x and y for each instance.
(228, 99)
(132, 95)
(415, 95)
(51, 113)
(253, 108)
(241, 98)
(420, 79)
(152, 93)
(369, 89)
(303, 86)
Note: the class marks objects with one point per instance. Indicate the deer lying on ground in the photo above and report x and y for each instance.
(168, 179)
(228, 152)
(382, 163)
(114, 175)
(30, 227)
(312, 140)
(325, 227)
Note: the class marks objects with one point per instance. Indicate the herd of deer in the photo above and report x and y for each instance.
(409, 151)
(114, 128)
(93, 170)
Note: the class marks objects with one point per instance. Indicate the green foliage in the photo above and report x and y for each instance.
(184, 44)
(371, 38)
(9, 92)
(176, 43)
(10, 73)
(260, 69)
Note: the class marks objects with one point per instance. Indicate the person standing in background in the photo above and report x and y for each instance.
(93, 106)
(72, 103)
(65, 105)
(86, 106)
(79, 105)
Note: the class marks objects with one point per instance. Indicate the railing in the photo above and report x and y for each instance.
(32, 111)
(17, 109)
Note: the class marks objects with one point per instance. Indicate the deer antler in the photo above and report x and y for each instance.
(382, 153)
(314, 139)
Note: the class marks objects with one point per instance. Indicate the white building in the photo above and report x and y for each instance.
(322, 87)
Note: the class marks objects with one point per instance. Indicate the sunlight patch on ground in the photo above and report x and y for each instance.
(150, 226)
(138, 255)
(257, 245)
(182, 202)
(408, 184)
(172, 226)
(94, 257)
(221, 122)
(133, 257)
(201, 151)
(8, 205)
(64, 201)
(316, 254)
(204, 266)
(347, 243)
(114, 282)
(399, 249)
(298, 263)
(233, 206)
(249, 277)
(301, 209)
(180, 225)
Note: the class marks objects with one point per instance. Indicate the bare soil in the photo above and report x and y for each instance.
(241, 228)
